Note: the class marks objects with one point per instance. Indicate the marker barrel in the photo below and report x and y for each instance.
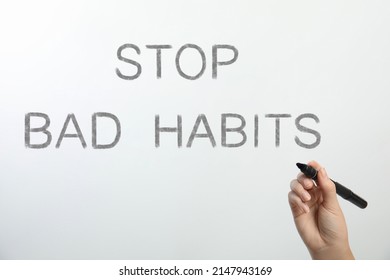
(349, 195)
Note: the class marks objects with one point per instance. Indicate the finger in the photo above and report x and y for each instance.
(297, 187)
(307, 183)
(297, 206)
(327, 187)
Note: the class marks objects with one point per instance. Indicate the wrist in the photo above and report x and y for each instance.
(333, 253)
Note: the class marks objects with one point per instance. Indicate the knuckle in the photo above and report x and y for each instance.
(293, 184)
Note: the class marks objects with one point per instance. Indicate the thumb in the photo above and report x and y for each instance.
(326, 186)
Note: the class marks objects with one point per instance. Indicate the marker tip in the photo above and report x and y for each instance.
(301, 165)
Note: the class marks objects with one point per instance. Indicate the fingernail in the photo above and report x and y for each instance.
(306, 196)
(324, 174)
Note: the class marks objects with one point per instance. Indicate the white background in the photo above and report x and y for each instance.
(330, 58)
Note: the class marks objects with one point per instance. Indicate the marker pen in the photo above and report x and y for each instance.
(342, 191)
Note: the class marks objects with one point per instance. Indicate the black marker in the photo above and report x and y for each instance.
(340, 189)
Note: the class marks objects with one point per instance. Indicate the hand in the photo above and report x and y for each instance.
(318, 216)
